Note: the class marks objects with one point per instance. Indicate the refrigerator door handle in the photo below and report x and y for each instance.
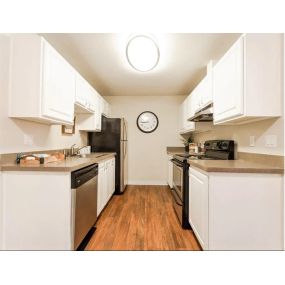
(125, 131)
(125, 149)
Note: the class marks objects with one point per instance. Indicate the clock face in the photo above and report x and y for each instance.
(147, 122)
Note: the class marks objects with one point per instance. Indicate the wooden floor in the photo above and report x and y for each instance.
(141, 219)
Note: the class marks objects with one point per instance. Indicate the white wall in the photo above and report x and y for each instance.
(240, 134)
(12, 131)
(147, 159)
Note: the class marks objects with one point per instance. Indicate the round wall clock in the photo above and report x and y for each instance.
(147, 122)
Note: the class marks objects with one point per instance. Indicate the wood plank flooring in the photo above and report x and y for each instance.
(141, 219)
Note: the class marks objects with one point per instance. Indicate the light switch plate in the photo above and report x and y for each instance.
(271, 141)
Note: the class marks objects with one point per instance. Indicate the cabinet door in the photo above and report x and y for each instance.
(186, 126)
(170, 172)
(98, 113)
(85, 97)
(113, 176)
(228, 84)
(206, 91)
(108, 179)
(198, 206)
(105, 108)
(203, 93)
(100, 190)
(197, 97)
(180, 118)
(192, 104)
(58, 90)
(105, 194)
(81, 91)
(92, 99)
(189, 126)
(1, 213)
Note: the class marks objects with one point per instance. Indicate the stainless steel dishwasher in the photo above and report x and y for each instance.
(84, 204)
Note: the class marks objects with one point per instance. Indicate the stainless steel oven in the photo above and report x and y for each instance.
(180, 190)
(178, 178)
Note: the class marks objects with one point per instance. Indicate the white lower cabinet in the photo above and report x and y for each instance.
(236, 211)
(36, 209)
(170, 172)
(106, 183)
(1, 212)
(198, 206)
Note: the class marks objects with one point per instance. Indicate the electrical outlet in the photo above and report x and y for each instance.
(251, 140)
(271, 141)
(28, 140)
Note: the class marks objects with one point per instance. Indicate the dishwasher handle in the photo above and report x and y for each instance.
(81, 176)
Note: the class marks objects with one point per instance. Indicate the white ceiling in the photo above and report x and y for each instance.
(101, 59)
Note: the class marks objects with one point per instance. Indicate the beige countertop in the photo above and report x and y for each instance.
(68, 165)
(246, 163)
(235, 166)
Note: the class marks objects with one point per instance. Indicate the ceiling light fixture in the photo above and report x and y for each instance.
(142, 53)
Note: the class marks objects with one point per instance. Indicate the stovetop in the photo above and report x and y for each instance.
(214, 150)
(184, 157)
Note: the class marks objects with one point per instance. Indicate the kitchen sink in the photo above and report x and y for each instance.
(93, 155)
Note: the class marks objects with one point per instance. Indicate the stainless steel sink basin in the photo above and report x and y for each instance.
(93, 155)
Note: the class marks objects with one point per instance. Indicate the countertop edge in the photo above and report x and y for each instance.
(238, 170)
(41, 168)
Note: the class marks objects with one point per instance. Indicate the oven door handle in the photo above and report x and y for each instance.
(175, 198)
(174, 162)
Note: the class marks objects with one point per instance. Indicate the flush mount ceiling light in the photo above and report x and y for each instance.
(142, 53)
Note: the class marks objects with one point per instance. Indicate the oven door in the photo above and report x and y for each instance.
(178, 179)
(177, 205)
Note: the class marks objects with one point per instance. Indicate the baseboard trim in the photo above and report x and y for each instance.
(141, 182)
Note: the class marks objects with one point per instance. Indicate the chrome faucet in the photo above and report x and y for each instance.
(72, 150)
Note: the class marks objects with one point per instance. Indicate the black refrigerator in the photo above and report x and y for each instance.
(113, 138)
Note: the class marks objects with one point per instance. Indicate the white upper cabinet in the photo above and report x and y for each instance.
(185, 125)
(199, 98)
(192, 104)
(58, 86)
(84, 96)
(228, 84)
(204, 93)
(187, 110)
(105, 108)
(42, 83)
(247, 82)
(98, 113)
(91, 122)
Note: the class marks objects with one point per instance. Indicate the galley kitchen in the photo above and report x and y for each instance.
(142, 141)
